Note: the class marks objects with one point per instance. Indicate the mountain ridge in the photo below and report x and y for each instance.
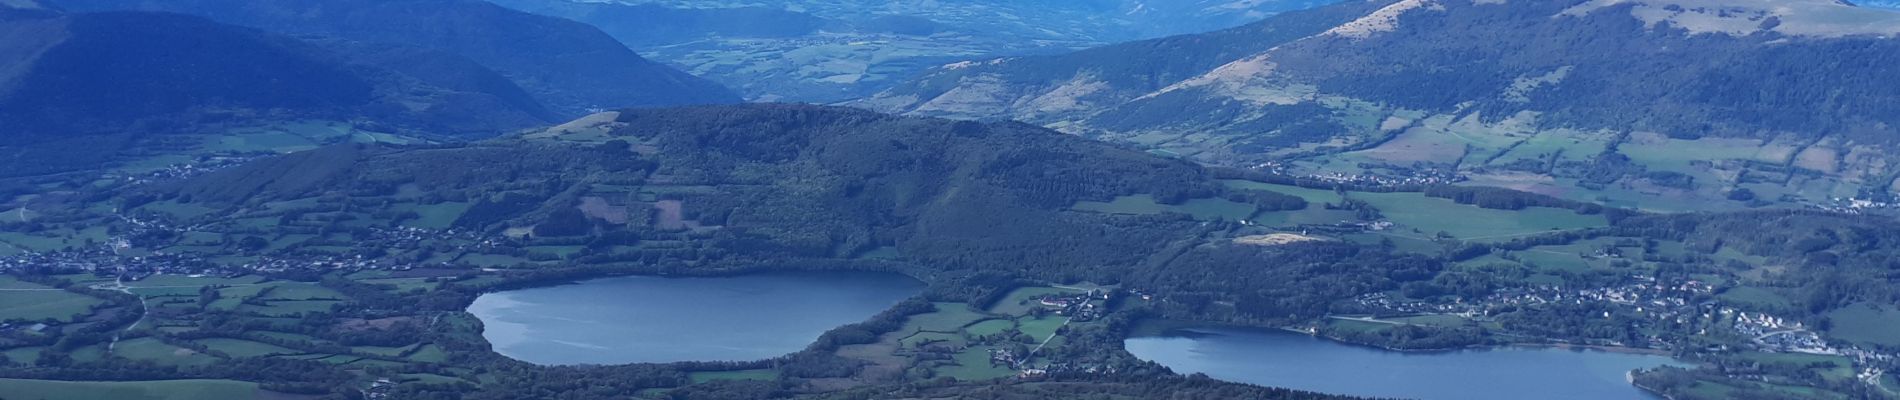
(570, 67)
(1487, 88)
(124, 79)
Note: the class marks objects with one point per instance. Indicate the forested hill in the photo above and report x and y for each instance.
(570, 67)
(816, 181)
(785, 182)
(76, 90)
(65, 73)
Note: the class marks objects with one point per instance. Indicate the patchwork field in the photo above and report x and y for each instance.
(1021, 300)
(30, 303)
(1142, 204)
(1866, 324)
(1750, 295)
(284, 137)
(153, 390)
(244, 348)
(741, 375)
(957, 339)
(161, 353)
(1841, 367)
(1422, 218)
(1431, 215)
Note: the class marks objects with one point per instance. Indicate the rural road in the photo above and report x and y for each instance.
(1366, 319)
(1045, 342)
(144, 308)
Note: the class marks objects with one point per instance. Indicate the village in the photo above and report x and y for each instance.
(128, 255)
(1410, 177)
(1655, 304)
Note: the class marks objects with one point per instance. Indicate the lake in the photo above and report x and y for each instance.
(644, 319)
(1298, 361)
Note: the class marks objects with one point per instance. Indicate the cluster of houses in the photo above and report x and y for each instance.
(1003, 357)
(1655, 300)
(1079, 307)
(1419, 177)
(1774, 333)
(180, 171)
(1065, 369)
(379, 389)
(1856, 205)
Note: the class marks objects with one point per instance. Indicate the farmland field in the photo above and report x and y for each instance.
(989, 327)
(1315, 196)
(187, 280)
(1022, 299)
(1842, 367)
(9, 282)
(153, 390)
(438, 216)
(429, 354)
(1431, 215)
(1755, 296)
(34, 242)
(31, 304)
(1039, 328)
(930, 337)
(949, 317)
(1142, 204)
(244, 348)
(1865, 323)
(302, 291)
(1428, 215)
(161, 353)
(280, 308)
(741, 375)
(22, 355)
(974, 364)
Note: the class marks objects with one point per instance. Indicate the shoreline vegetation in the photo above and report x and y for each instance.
(1144, 330)
(1161, 328)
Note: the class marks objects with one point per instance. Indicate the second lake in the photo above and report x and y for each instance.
(1303, 362)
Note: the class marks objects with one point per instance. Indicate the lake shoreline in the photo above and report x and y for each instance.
(1315, 362)
(1528, 345)
(1158, 327)
(525, 279)
(649, 319)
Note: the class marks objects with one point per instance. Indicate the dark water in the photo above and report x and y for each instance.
(1285, 359)
(656, 320)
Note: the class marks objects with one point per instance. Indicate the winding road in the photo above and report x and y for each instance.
(144, 308)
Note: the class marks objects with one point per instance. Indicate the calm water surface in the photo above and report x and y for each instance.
(655, 320)
(1286, 359)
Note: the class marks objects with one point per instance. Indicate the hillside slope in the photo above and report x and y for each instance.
(814, 180)
(77, 89)
(570, 67)
(788, 182)
(1552, 96)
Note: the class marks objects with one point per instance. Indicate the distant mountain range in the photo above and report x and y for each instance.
(1574, 97)
(833, 50)
(570, 67)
